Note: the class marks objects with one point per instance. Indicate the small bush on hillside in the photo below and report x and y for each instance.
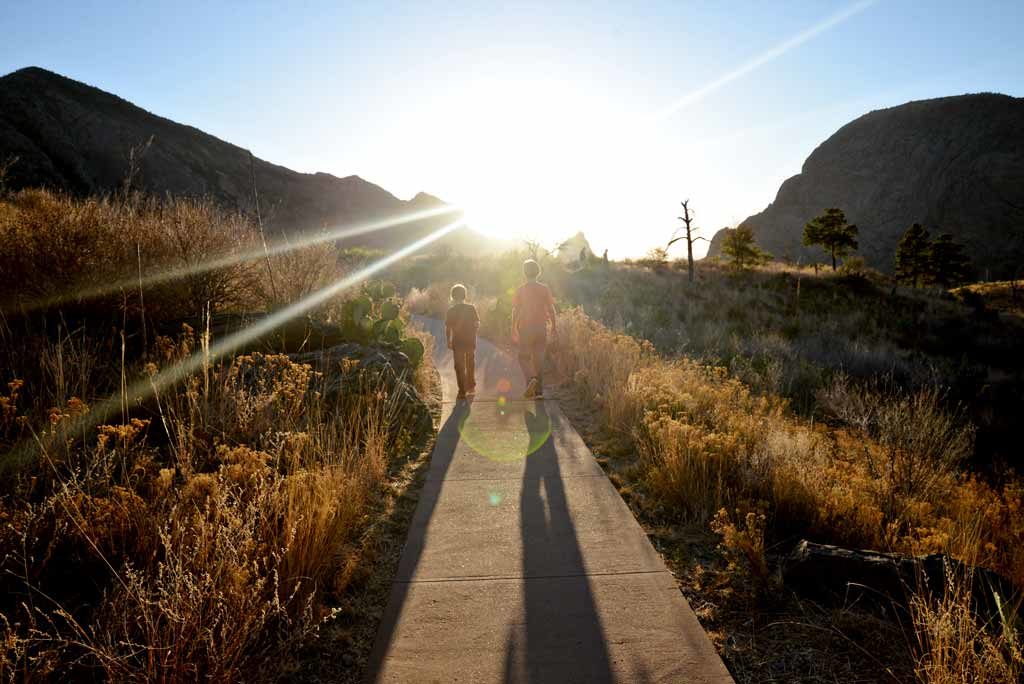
(742, 534)
(854, 267)
(922, 442)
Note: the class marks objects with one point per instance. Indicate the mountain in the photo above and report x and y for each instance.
(71, 136)
(954, 164)
(575, 250)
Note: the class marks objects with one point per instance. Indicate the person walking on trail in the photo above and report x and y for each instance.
(533, 307)
(460, 326)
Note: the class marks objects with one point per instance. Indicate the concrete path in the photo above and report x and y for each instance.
(523, 564)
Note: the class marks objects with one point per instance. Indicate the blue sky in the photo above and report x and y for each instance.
(542, 118)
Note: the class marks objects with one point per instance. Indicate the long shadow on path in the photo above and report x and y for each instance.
(564, 639)
(440, 459)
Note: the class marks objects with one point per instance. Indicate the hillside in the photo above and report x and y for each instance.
(955, 164)
(71, 136)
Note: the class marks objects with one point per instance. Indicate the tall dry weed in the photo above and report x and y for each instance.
(207, 535)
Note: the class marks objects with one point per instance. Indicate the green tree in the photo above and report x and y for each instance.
(832, 233)
(739, 246)
(913, 255)
(948, 266)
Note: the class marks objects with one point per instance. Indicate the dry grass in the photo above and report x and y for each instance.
(79, 244)
(1003, 295)
(93, 253)
(705, 442)
(953, 645)
(206, 538)
(203, 532)
(708, 449)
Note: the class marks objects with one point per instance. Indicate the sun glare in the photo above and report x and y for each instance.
(521, 154)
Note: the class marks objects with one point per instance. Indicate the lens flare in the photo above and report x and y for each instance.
(512, 431)
(143, 389)
(171, 274)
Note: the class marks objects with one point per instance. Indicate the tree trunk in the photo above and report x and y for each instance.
(689, 253)
(833, 258)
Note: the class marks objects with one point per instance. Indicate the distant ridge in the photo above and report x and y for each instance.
(954, 164)
(71, 136)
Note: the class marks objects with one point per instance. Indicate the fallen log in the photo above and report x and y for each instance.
(833, 574)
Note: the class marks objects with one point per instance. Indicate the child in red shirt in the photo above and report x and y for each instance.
(533, 307)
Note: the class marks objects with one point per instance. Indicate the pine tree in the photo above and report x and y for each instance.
(913, 255)
(832, 233)
(948, 266)
(739, 246)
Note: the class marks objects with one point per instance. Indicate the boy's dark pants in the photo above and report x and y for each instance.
(465, 368)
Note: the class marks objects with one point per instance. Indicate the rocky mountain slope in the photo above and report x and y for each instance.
(955, 164)
(71, 136)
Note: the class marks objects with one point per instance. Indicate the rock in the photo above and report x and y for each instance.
(953, 164)
(846, 576)
(575, 251)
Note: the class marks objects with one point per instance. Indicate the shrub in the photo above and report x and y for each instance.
(94, 252)
(705, 442)
(203, 538)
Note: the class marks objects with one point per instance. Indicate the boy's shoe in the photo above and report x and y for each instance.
(532, 389)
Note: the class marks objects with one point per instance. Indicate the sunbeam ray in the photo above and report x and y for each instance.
(168, 275)
(142, 389)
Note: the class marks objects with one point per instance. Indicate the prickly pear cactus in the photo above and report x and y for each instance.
(373, 317)
(412, 348)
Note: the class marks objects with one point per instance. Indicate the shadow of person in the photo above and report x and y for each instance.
(440, 459)
(561, 638)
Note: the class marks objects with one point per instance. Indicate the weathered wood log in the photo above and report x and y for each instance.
(837, 575)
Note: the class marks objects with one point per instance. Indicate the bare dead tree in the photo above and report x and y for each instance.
(5, 170)
(534, 249)
(259, 222)
(689, 234)
(135, 155)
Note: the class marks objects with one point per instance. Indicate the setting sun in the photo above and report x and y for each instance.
(521, 155)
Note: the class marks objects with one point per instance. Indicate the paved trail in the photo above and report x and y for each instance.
(523, 564)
